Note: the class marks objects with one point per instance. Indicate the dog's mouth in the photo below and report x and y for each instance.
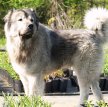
(27, 34)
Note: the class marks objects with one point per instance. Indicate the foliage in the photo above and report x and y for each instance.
(102, 104)
(68, 14)
(99, 104)
(5, 64)
(2, 42)
(56, 74)
(105, 69)
(26, 3)
(24, 101)
(4, 61)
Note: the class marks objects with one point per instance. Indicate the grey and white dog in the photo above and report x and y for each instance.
(36, 50)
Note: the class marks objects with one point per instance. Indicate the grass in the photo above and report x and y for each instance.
(33, 101)
(98, 104)
(5, 64)
(4, 61)
(105, 67)
(24, 101)
(2, 42)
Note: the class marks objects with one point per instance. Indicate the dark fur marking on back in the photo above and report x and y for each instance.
(62, 48)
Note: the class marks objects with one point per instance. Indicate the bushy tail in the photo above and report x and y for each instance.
(97, 19)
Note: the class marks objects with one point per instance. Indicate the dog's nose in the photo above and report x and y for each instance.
(30, 26)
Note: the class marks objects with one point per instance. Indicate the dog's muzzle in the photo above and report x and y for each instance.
(28, 33)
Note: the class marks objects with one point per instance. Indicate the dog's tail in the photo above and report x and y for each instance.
(96, 19)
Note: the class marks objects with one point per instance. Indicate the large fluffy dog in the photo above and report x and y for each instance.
(35, 50)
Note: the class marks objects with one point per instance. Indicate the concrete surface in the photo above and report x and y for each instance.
(62, 101)
(68, 101)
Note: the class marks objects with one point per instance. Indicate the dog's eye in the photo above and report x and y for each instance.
(20, 19)
(31, 20)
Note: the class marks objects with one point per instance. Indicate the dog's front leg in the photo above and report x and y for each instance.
(25, 83)
(36, 84)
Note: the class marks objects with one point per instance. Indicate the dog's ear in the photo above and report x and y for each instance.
(37, 19)
(8, 16)
(32, 9)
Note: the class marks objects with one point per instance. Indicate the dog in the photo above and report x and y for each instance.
(36, 50)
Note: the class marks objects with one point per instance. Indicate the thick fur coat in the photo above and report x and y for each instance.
(35, 50)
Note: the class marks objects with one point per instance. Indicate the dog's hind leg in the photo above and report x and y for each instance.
(84, 89)
(84, 71)
(96, 69)
(96, 90)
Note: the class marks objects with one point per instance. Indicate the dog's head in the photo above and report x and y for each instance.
(23, 23)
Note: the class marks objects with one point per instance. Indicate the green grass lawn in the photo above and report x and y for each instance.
(5, 64)
(2, 42)
(4, 61)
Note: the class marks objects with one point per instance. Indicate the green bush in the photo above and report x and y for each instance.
(24, 101)
(42, 7)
